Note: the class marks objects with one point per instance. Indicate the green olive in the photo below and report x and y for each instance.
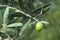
(39, 26)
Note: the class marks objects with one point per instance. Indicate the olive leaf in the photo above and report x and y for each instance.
(0, 38)
(0, 17)
(45, 8)
(14, 25)
(6, 39)
(5, 16)
(23, 5)
(9, 31)
(3, 35)
(45, 22)
(25, 27)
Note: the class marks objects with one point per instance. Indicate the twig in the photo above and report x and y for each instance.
(19, 11)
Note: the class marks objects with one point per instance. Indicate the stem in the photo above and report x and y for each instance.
(19, 11)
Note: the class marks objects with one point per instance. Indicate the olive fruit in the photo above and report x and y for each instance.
(39, 26)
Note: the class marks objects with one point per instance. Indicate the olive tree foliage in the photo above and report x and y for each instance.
(18, 19)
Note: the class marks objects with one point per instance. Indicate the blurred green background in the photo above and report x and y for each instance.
(52, 32)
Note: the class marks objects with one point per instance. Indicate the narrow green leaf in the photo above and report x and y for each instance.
(45, 8)
(0, 38)
(9, 31)
(45, 22)
(6, 39)
(15, 25)
(0, 16)
(25, 27)
(5, 16)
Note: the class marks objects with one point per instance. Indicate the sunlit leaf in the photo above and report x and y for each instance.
(0, 38)
(25, 26)
(5, 16)
(15, 25)
(45, 22)
(6, 39)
